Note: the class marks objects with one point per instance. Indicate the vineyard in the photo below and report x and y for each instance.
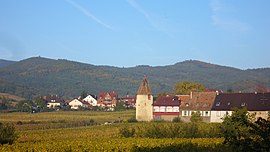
(47, 132)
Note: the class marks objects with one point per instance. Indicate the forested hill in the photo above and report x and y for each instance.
(41, 76)
(4, 63)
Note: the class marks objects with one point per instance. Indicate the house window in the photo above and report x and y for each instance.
(185, 113)
(243, 104)
(217, 104)
(206, 113)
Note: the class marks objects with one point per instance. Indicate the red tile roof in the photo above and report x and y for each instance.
(104, 94)
(166, 101)
(201, 101)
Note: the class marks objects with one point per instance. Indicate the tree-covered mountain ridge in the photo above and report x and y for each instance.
(40, 76)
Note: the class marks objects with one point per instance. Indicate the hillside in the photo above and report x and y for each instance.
(4, 63)
(39, 76)
(10, 96)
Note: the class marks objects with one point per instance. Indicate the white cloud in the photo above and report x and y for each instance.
(88, 14)
(221, 20)
(155, 21)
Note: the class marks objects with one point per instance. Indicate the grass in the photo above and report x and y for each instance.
(63, 119)
(66, 131)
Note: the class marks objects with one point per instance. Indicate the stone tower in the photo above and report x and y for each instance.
(144, 101)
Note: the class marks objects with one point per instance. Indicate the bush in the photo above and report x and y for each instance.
(127, 132)
(132, 119)
(7, 134)
(176, 130)
(176, 119)
(196, 117)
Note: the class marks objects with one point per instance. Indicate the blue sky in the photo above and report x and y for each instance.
(126, 33)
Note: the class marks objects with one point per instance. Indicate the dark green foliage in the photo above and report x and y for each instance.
(196, 117)
(127, 132)
(35, 76)
(175, 130)
(132, 119)
(25, 106)
(176, 119)
(243, 134)
(120, 106)
(187, 87)
(7, 134)
(235, 127)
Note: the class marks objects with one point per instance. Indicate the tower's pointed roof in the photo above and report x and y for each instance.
(144, 88)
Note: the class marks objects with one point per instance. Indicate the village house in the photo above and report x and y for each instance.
(129, 101)
(77, 103)
(166, 108)
(107, 100)
(53, 101)
(198, 102)
(257, 103)
(91, 100)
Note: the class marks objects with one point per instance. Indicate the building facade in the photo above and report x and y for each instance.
(166, 108)
(257, 103)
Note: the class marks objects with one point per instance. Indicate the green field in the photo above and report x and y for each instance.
(69, 131)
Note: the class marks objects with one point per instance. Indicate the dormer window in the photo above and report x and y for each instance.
(217, 104)
(243, 104)
(229, 103)
(187, 104)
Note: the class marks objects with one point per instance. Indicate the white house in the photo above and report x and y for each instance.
(258, 103)
(76, 103)
(91, 100)
(53, 104)
(53, 101)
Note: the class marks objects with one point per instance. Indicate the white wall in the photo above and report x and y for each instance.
(92, 101)
(175, 109)
(216, 116)
(75, 104)
(144, 108)
(53, 104)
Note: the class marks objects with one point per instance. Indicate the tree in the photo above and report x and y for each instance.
(120, 106)
(185, 87)
(196, 117)
(238, 130)
(25, 106)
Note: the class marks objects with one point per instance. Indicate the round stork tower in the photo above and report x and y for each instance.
(144, 102)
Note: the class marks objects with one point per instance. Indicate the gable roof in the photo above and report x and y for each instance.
(89, 97)
(112, 94)
(144, 88)
(252, 101)
(201, 101)
(166, 101)
(53, 98)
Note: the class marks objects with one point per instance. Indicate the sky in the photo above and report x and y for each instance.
(127, 33)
